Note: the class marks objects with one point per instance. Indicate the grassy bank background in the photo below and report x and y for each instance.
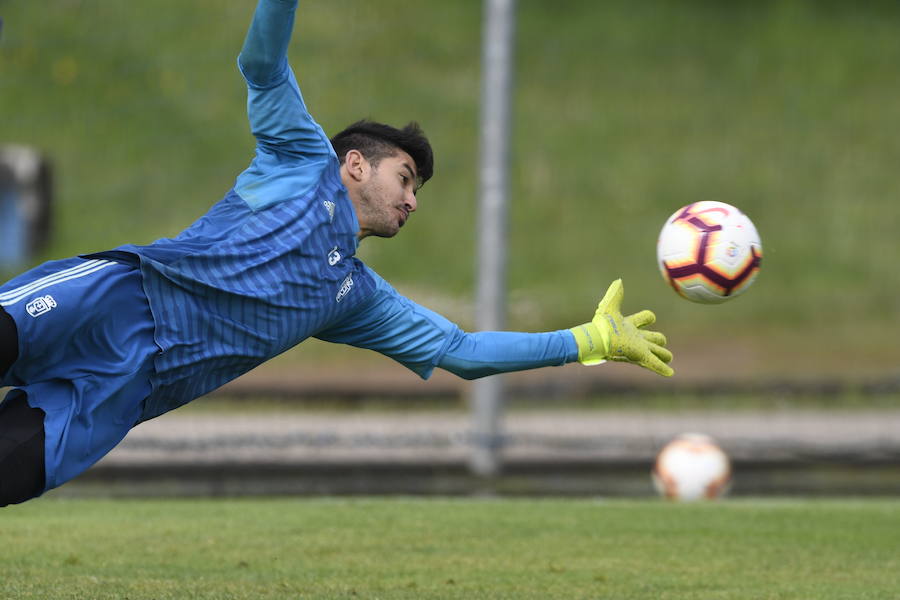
(623, 113)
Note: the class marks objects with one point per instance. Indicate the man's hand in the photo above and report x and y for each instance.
(610, 336)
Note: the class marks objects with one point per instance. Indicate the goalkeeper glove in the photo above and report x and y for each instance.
(610, 336)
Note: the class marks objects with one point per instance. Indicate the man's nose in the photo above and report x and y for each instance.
(411, 202)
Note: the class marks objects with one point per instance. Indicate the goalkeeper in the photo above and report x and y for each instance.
(93, 345)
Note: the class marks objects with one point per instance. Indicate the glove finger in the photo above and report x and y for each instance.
(664, 354)
(654, 337)
(612, 299)
(657, 366)
(641, 319)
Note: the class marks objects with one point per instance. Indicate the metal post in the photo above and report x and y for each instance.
(496, 84)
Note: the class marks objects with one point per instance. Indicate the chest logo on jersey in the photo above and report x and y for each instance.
(329, 206)
(346, 285)
(334, 257)
(40, 305)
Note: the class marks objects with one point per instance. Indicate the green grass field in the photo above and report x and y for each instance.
(623, 113)
(449, 548)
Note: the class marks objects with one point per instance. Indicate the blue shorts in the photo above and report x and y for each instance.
(86, 351)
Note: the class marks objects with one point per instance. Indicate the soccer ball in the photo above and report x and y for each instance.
(691, 467)
(709, 252)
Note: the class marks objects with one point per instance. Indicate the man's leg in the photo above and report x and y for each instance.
(9, 342)
(21, 450)
(21, 431)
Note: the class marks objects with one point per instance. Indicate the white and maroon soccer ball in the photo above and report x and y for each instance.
(692, 467)
(709, 252)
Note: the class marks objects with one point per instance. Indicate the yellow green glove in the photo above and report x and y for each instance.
(610, 336)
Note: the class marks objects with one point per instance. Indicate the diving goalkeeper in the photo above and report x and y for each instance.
(95, 344)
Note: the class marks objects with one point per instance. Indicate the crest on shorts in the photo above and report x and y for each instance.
(40, 305)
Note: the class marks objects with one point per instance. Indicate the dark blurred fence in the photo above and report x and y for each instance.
(604, 453)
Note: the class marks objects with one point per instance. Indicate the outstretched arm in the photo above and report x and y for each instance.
(474, 355)
(609, 336)
(422, 340)
(264, 54)
(292, 149)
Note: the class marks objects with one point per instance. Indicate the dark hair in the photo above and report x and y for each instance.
(377, 140)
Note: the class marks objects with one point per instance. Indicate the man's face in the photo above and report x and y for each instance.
(387, 195)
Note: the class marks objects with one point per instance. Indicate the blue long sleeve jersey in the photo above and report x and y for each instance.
(273, 263)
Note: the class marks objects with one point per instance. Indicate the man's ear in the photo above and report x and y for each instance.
(356, 164)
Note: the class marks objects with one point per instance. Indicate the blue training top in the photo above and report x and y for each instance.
(273, 263)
